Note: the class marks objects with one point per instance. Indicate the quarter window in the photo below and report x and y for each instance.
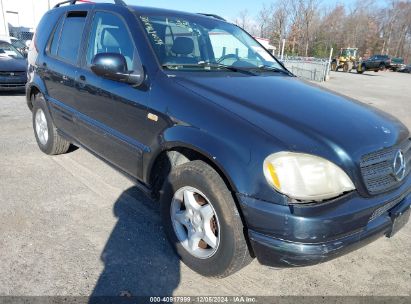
(55, 40)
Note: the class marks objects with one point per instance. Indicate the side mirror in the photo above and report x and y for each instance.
(114, 66)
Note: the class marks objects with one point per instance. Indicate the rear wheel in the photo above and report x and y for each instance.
(202, 222)
(361, 68)
(48, 140)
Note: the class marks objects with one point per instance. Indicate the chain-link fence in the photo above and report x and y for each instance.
(21, 33)
(314, 69)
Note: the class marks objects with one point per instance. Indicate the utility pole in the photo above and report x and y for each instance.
(3, 16)
(282, 50)
(327, 73)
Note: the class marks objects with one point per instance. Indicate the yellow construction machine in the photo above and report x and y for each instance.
(347, 60)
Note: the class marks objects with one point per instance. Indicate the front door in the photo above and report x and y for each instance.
(113, 113)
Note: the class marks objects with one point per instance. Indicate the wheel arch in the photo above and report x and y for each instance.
(182, 144)
(176, 153)
(34, 88)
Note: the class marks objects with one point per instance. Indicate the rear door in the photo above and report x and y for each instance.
(60, 67)
(376, 62)
(113, 114)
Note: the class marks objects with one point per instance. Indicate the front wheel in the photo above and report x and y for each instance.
(202, 222)
(48, 140)
(346, 67)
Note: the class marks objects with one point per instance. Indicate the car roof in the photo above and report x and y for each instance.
(143, 10)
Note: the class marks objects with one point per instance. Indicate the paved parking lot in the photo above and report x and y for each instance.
(71, 225)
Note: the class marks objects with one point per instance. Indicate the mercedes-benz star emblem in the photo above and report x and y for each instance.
(399, 166)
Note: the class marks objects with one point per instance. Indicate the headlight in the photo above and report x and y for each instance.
(306, 177)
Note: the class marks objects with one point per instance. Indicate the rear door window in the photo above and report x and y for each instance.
(71, 35)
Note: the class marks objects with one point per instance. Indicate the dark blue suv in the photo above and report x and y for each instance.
(246, 159)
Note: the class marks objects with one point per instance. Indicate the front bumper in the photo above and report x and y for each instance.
(294, 236)
(12, 87)
(11, 83)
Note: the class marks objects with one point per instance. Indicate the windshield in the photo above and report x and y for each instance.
(18, 44)
(204, 44)
(349, 52)
(6, 49)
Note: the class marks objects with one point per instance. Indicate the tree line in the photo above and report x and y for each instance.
(312, 29)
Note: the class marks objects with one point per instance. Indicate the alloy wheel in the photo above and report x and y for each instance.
(41, 127)
(195, 222)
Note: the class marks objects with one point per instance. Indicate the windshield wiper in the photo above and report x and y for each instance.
(274, 69)
(228, 67)
(210, 65)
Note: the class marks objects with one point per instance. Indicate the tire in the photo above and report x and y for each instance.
(230, 252)
(361, 68)
(346, 68)
(48, 140)
(382, 67)
(334, 66)
(350, 66)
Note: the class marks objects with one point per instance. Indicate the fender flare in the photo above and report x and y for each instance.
(232, 160)
(39, 85)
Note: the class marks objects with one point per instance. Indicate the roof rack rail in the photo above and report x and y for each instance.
(213, 16)
(72, 2)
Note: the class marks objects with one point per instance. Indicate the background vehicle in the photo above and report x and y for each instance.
(405, 69)
(21, 45)
(347, 60)
(13, 68)
(397, 64)
(374, 63)
(163, 95)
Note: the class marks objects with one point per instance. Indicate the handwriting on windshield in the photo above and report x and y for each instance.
(151, 31)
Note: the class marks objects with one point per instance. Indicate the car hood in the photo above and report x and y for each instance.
(303, 116)
(10, 64)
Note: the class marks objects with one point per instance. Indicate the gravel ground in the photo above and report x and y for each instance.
(71, 225)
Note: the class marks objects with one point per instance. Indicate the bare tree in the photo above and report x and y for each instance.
(279, 21)
(312, 29)
(243, 19)
(264, 20)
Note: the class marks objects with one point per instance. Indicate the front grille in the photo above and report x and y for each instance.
(377, 168)
(11, 85)
(11, 74)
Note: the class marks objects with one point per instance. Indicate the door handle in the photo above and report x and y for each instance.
(81, 82)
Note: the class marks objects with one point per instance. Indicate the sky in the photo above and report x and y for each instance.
(228, 9)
